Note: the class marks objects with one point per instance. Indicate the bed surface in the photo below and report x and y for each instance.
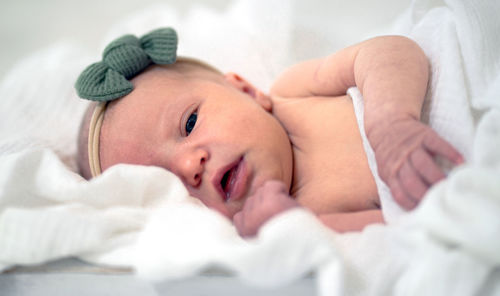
(74, 277)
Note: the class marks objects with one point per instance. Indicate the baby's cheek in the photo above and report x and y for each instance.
(197, 194)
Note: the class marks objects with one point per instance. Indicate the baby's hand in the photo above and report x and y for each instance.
(406, 152)
(269, 200)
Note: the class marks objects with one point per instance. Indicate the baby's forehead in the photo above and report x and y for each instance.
(158, 87)
(155, 90)
(153, 75)
(180, 70)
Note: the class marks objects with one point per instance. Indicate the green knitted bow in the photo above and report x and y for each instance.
(123, 59)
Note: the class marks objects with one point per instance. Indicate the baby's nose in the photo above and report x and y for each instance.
(192, 166)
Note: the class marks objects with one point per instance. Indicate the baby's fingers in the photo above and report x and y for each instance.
(239, 222)
(400, 195)
(437, 145)
(426, 167)
(411, 182)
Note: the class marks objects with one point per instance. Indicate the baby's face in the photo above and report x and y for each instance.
(215, 137)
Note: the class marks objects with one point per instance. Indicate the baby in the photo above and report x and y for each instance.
(251, 156)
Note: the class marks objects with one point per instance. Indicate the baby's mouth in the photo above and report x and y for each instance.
(233, 180)
(227, 181)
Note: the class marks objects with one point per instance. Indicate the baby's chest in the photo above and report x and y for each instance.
(331, 172)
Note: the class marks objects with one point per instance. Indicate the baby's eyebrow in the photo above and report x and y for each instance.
(167, 117)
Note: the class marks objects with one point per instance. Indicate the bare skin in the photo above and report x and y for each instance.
(251, 156)
(331, 175)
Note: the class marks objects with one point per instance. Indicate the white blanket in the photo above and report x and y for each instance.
(143, 218)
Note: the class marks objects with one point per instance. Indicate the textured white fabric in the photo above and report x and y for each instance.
(142, 217)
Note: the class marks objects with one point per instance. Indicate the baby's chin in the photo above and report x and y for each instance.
(231, 209)
(227, 210)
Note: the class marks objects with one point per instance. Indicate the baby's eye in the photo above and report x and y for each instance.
(191, 122)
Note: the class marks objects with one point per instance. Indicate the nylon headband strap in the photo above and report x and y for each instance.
(93, 139)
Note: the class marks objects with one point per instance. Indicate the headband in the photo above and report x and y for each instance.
(93, 139)
(104, 81)
(123, 59)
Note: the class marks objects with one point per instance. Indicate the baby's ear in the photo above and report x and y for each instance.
(241, 84)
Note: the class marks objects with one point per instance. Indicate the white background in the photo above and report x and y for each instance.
(28, 25)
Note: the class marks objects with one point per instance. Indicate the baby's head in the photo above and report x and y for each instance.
(215, 132)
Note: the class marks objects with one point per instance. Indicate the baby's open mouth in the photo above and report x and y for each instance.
(233, 181)
(224, 182)
(228, 181)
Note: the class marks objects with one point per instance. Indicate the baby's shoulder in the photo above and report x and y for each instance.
(297, 80)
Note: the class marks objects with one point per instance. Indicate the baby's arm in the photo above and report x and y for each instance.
(392, 74)
(352, 221)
